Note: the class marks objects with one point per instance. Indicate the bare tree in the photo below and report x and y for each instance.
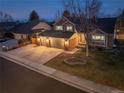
(4, 17)
(118, 12)
(58, 15)
(84, 11)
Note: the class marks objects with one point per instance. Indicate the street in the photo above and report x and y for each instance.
(18, 79)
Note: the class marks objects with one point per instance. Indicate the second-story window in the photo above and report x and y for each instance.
(98, 37)
(69, 28)
(59, 27)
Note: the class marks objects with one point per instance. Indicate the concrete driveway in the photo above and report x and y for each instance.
(37, 54)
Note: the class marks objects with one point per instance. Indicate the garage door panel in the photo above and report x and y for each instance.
(57, 43)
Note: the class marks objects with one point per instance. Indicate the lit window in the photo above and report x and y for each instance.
(69, 28)
(98, 37)
(118, 30)
(59, 28)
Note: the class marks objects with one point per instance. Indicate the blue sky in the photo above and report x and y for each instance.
(20, 9)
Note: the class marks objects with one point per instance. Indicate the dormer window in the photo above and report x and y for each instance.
(69, 28)
(59, 27)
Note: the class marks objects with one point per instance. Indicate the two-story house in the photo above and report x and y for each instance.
(67, 34)
(63, 35)
(104, 34)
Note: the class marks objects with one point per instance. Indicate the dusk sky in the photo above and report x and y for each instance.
(20, 9)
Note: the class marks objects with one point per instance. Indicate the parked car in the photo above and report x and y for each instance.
(8, 44)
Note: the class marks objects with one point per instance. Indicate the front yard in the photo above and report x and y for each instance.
(102, 67)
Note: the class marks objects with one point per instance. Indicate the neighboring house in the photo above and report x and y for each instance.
(104, 33)
(67, 34)
(5, 28)
(24, 31)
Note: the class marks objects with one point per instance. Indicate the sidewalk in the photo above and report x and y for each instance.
(74, 81)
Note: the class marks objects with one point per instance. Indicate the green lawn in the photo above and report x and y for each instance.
(102, 67)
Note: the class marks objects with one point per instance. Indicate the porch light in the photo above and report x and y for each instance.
(66, 43)
(38, 39)
(47, 40)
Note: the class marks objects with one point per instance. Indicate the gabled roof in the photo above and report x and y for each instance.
(61, 21)
(105, 24)
(25, 28)
(6, 26)
(57, 34)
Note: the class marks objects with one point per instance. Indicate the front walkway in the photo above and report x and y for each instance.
(77, 82)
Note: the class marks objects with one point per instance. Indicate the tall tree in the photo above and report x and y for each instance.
(33, 16)
(66, 13)
(58, 15)
(91, 10)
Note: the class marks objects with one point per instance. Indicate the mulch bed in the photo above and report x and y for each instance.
(75, 61)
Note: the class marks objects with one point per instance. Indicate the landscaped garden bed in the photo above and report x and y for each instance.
(102, 67)
(73, 61)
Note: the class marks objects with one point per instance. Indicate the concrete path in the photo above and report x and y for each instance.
(39, 54)
(77, 82)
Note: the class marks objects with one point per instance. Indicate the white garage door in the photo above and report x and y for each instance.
(57, 43)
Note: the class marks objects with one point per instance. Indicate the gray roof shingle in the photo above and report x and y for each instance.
(57, 34)
(105, 24)
(25, 28)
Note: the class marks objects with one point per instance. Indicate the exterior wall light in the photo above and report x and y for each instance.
(47, 40)
(38, 39)
(66, 44)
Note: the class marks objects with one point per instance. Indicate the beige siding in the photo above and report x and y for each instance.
(51, 42)
(20, 36)
(57, 42)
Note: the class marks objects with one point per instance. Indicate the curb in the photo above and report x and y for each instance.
(60, 76)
